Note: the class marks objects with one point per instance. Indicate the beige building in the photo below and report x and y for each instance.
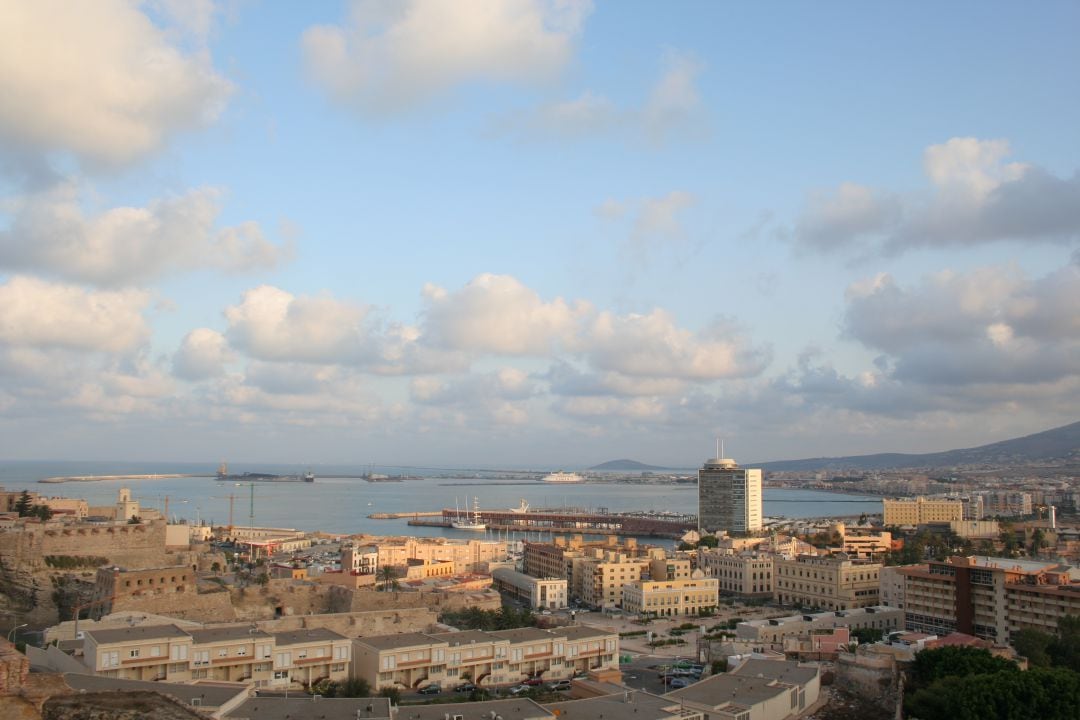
(833, 582)
(467, 555)
(891, 587)
(536, 593)
(776, 630)
(989, 597)
(670, 598)
(360, 559)
(755, 690)
(597, 579)
(413, 660)
(227, 653)
(863, 543)
(921, 511)
(745, 574)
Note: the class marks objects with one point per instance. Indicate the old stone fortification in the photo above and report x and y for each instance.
(347, 600)
(46, 569)
(872, 676)
(138, 546)
(200, 607)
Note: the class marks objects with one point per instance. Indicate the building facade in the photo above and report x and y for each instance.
(744, 574)
(536, 593)
(671, 598)
(729, 497)
(921, 511)
(987, 597)
(414, 660)
(833, 582)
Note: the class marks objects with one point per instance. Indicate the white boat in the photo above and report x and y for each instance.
(470, 523)
(563, 477)
(522, 508)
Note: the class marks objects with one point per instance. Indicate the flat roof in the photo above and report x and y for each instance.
(296, 637)
(399, 640)
(581, 632)
(632, 705)
(523, 634)
(787, 671)
(466, 637)
(718, 690)
(206, 695)
(279, 708)
(230, 632)
(136, 633)
(512, 709)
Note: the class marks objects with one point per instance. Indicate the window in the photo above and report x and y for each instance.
(281, 674)
(155, 651)
(133, 653)
(223, 652)
(241, 651)
(179, 652)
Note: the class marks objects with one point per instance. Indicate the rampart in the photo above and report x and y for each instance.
(141, 545)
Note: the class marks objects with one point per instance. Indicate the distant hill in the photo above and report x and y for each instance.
(627, 466)
(1056, 444)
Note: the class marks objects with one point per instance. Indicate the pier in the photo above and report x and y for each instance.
(638, 524)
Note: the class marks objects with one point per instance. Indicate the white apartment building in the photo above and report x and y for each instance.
(671, 598)
(536, 593)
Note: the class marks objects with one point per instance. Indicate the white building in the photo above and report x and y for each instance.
(537, 593)
(729, 497)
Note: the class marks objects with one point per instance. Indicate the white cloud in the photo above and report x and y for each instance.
(40, 314)
(974, 197)
(99, 80)
(674, 105)
(392, 56)
(202, 354)
(672, 110)
(499, 314)
(653, 346)
(50, 233)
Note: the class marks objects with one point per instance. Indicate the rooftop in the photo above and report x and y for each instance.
(229, 632)
(465, 637)
(633, 705)
(297, 637)
(523, 634)
(279, 708)
(400, 640)
(206, 695)
(515, 709)
(136, 633)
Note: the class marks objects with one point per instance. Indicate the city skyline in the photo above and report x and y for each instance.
(535, 233)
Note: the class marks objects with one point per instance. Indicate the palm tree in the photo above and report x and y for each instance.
(388, 578)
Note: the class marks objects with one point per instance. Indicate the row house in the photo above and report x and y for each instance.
(235, 653)
(489, 659)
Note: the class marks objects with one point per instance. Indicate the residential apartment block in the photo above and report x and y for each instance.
(413, 660)
(229, 653)
(988, 597)
(467, 555)
(671, 598)
(833, 582)
(744, 574)
(921, 510)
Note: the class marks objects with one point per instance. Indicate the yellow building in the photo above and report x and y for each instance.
(671, 598)
(834, 582)
(921, 511)
(598, 578)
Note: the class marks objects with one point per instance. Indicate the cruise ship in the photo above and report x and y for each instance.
(562, 477)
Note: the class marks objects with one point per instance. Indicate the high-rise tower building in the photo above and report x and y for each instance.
(729, 497)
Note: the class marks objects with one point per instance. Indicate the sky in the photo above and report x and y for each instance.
(538, 233)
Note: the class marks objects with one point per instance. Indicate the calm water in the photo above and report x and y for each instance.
(341, 505)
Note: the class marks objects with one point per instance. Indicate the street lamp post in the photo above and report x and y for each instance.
(12, 631)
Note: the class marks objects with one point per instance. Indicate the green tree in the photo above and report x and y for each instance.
(23, 504)
(1065, 650)
(42, 512)
(393, 693)
(1047, 694)
(135, 520)
(867, 635)
(709, 541)
(1034, 645)
(945, 662)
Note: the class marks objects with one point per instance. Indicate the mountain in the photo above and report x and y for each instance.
(627, 466)
(1060, 443)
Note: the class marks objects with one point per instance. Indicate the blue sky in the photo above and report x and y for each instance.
(535, 233)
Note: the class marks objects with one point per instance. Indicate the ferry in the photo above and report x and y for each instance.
(562, 477)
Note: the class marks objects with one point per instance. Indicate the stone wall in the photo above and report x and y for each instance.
(200, 607)
(137, 546)
(358, 624)
(869, 675)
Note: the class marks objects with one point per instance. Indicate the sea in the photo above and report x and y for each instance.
(343, 504)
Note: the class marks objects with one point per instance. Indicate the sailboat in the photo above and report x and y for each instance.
(470, 523)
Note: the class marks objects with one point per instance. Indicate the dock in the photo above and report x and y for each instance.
(566, 522)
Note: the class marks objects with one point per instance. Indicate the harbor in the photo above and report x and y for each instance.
(525, 519)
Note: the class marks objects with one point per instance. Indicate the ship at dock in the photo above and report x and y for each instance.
(224, 475)
(562, 477)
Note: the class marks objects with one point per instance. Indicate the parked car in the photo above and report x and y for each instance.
(559, 685)
(432, 689)
(519, 690)
(534, 682)
(677, 683)
(465, 687)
